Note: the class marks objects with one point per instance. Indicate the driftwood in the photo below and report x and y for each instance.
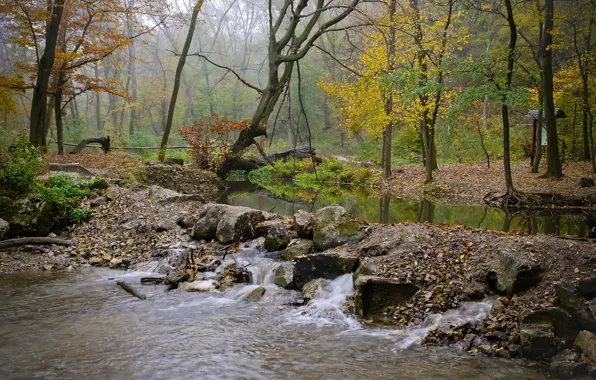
(12, 243)
(104, 141)
(252, 163)
(131, 290)
(152, 280)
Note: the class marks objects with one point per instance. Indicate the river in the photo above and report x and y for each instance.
(81, 325)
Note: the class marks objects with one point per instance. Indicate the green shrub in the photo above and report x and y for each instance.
(63, 196)
(19, 169)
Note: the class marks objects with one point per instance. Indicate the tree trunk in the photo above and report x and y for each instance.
(538, 147)
(58, 111)
(504, 107)
(37, 128)
(132, 72)
(179, 67)
(387, 133)
(553, 163)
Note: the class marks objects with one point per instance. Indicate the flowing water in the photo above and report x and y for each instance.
(80, 325)
(364, 205)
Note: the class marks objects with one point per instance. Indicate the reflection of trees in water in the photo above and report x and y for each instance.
(384, 203)
(426, 211)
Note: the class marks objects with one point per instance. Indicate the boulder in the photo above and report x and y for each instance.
(587, 288)
(374, 294)
(198, 286)
(586, 341)
(327, 265)
(96, 260)
(297, 247)
(538, 342)
(186, 221)
(175, 277)
(586, 182)
(576, 305)
(368, 266)
(31, 216)
(560, 322)
(332, 227)
(4, 226)
(278, 237)
(302, 224)
(227, 223)
(312, 289)
(284, 275)
(116, 262)
(565, 365)
(172, 259)
(256, 294)
(512, 273)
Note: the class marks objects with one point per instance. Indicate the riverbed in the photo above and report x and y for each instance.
(80, 324)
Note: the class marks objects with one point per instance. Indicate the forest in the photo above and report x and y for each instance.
(323, 188)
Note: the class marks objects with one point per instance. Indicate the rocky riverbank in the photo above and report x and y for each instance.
(543, 288)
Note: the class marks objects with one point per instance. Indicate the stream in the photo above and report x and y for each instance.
(79, 324)
(364, 205)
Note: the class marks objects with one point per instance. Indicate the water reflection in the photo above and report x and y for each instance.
(366, 206)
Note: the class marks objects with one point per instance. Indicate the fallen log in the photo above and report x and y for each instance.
(152, 280)
(104, 141)
(12, 243)
(131, 290)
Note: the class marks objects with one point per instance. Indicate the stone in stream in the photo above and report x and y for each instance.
(175, 277)
(256, 294)
(576, 305)
(560, 322)
(327, 265)
(586, 341)
(312, 289)
(512, 273)
(198, 286)
(374, 294)
(297, 247)
(565, 365)
(96, 260)
(587, 288)
(226, 223)
(333, 226)
(278, 237)
(538, 341)
(302, 223)
(284, 275)
(368, 266)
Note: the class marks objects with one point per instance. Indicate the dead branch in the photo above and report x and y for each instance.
(131, 290)
(12, 243)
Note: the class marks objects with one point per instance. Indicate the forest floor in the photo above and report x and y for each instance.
(468, 183)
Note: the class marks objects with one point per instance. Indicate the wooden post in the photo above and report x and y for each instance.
(534, 126)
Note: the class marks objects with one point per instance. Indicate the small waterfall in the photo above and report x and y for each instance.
(326, 308)
(468, 311)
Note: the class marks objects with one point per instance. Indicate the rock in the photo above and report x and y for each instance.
(172, 259)
(587, 288)
(165, 225)
(470, 341)
(496, 335)
(277, 238)
(566, 355)
(70, 168)
(99, 201)
(175, 277)
(560, 322)
(486, 349)
(586, 182)
(312, 289)
(111, 194)
(186, 221)
(226, 223)
(513, 273)
(256, 294)
(576, 305)
(568, 369)
(375, 294)
(31, 216)
(284, 275)
(48, 267)
(538, 342)
(368, 266)
(4, 226)
(115, 262)
(198, 286)
(302, 224)
(332, 227)
(297, 247)
(327, 265)
(174, 161)
(586, 341)
(258, 243)
(96, 260)
(99, 184)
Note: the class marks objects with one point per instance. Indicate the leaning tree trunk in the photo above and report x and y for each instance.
(37, 128)
(179, 67)
(387, 134)
(553, 163)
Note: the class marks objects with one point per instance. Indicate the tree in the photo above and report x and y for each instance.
(179, 67)
(510, 190)
(37, 129)
(553, 163)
